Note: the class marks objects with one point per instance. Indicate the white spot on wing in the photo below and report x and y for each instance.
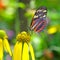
(39, 10)
(44, 11)
(44, 16)
(35, 16)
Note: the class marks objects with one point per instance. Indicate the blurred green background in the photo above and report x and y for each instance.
(16, 16)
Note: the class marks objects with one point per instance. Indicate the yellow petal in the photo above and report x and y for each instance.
(1, 49)
(25, 55)
(52, 30)
(32, 52)
(7, 46)
(17, 54)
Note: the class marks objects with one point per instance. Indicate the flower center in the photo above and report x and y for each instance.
(23, 36)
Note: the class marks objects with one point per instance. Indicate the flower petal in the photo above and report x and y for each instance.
(7, 46)
(25, 55)
(1, 49)
(32, 52)
(52, 30)
(4, 47)
(17, 54)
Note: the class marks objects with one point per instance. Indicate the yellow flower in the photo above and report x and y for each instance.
(23, 47)
(4, 45)
(52, 30)
(1, 49)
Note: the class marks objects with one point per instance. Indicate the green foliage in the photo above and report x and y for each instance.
(21, 5)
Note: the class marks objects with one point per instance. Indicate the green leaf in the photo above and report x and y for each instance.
(21, 5)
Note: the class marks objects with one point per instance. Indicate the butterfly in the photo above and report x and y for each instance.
(39, 21)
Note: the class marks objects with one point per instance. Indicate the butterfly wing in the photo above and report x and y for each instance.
(39, 20)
